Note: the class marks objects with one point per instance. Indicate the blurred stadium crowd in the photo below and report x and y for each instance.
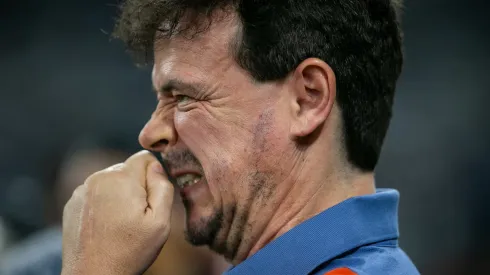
(72, 103)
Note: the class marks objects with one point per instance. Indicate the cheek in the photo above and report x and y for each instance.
(213, 135)
(197, 133)
(219, 148)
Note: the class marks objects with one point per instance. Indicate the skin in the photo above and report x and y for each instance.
(177, 253)
(271, 154)
(118, 220)
(258, 175)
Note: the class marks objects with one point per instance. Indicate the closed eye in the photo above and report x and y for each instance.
(183, 102)
(182, 98)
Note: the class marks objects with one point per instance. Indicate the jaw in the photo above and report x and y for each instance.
(202, 230)
(262, 211)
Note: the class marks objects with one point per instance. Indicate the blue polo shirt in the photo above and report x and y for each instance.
(356, 236)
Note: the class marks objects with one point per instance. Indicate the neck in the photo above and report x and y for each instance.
(306, 197)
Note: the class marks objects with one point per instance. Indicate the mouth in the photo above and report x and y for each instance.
(191, 185)
(185, 173)
(186, 179)
(181, 179)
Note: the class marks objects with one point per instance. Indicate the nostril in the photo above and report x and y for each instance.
(159, 143)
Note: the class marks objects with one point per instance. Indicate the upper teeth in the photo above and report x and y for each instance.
(187, 179)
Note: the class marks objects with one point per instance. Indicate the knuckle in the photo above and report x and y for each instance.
(67, 208)
(141, 156)
(93, 178)
(110, 174)
(115, 168)
(79, 191)
(77, 195)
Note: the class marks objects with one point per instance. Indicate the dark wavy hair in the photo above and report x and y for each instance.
(360, 39)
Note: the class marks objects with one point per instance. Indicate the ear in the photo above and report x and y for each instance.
(312, 96)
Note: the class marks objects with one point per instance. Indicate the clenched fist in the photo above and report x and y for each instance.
(118, 221)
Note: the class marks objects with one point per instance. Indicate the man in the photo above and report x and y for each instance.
(271, 116)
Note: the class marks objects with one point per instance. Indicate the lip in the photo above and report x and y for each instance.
(177, 173)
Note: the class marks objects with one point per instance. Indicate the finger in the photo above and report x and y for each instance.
(137, 164)
(160, 192)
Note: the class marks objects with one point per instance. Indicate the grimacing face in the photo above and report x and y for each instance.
(213, 120)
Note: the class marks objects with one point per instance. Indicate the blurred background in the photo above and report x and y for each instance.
(72, 102)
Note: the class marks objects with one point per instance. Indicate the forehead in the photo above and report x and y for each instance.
(193, 58)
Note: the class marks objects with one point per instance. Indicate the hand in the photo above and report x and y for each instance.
(118, 221)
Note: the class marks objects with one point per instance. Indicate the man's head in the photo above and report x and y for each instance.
(257, 96)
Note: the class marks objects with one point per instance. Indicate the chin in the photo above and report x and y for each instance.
(203, 230)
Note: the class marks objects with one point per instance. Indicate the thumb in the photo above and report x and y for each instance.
(160, 192)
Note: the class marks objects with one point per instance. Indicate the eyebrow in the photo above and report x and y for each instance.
(177, 85)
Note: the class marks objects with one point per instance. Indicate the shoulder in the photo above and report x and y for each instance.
(370, 260)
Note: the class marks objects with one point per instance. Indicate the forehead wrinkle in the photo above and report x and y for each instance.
(170, 74)
(208, 77)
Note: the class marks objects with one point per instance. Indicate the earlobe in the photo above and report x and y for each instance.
(313, 96)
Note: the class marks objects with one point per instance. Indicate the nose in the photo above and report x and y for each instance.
(158, 134)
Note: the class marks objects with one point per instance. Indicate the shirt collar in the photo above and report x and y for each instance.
(350, 224)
